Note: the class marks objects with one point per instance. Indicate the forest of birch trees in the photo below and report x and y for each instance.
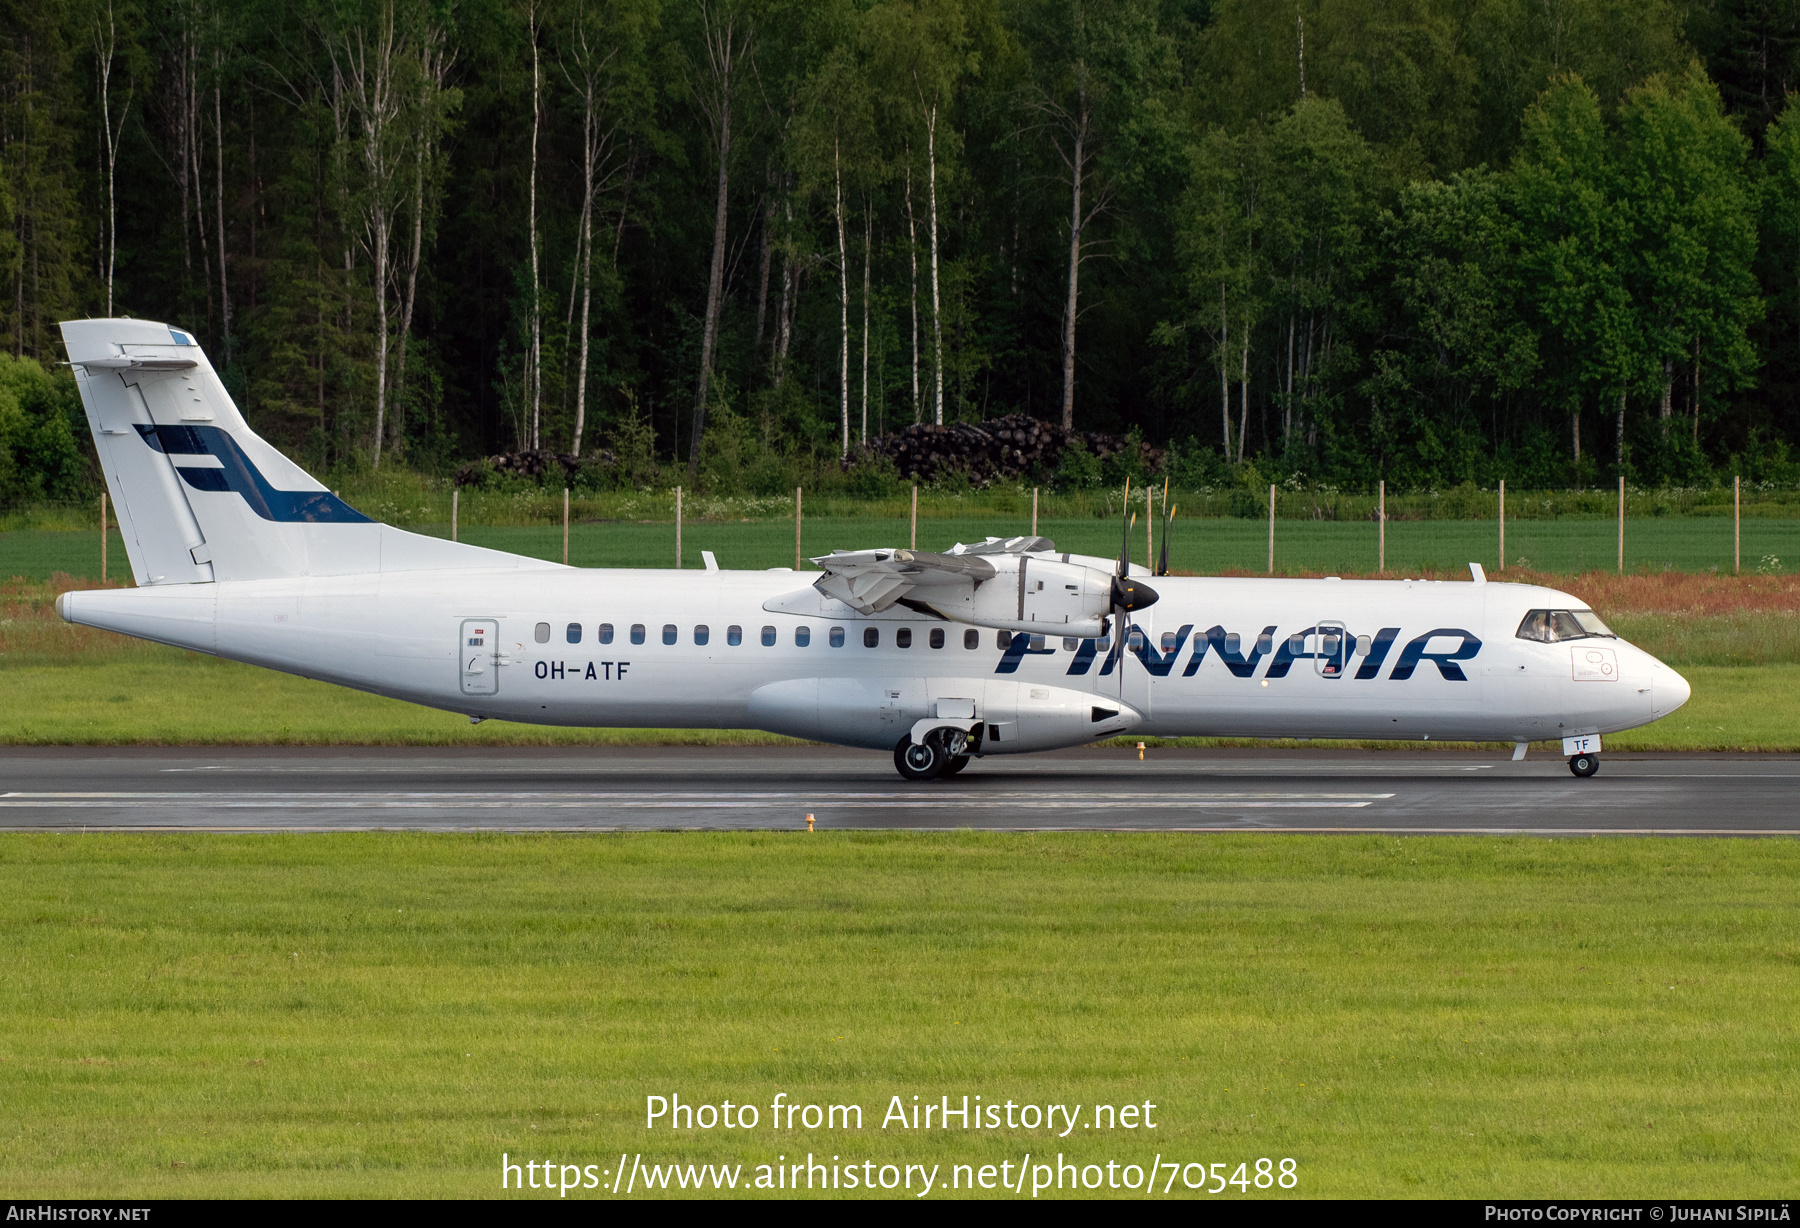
(1423, 241)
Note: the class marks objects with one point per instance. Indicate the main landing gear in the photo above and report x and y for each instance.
(943, 753)
(1584, 765)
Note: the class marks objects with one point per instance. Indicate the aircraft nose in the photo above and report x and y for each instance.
(1672, 690)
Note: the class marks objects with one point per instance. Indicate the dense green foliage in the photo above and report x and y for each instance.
(1417, 240)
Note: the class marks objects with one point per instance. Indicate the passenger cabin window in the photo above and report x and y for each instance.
(637, 633)
(871, 637)
(1003, 640)
(542, 633)
(702, 633)
(768, 637)
(1070, 645)
(573, 633)
(937, 637)
(605, 634)
(1555, 626)
(802, 636)
(903, 637)
(668, 633)
(837, 637)
(971, 638)
(1134, 640)
(734, 635)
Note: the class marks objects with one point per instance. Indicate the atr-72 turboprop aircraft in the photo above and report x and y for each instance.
(996, 648)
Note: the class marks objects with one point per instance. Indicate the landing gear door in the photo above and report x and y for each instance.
(479, 654)
(1331, 648)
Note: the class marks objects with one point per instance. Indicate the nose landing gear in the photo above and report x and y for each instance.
(1584, 765)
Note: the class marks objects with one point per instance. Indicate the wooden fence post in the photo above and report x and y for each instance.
(565, 526)
(455, 499)
(1621, 524)
(914, 541)
(1737, 525)
(1271, 528)
(1149, 528)
(1502, 566)
(1034, 495)
(103, 537)
(797, 493)
(678, 528)
(1381, 529)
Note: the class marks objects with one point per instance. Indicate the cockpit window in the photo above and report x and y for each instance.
(1555, 626)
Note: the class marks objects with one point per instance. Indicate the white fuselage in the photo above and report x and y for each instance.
(1218, 657)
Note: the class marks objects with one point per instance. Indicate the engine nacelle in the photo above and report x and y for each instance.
(1037, 596)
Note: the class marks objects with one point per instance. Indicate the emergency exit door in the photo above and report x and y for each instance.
(479, 650)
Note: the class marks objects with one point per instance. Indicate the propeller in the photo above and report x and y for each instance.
(1162, 564)
(1127, 594)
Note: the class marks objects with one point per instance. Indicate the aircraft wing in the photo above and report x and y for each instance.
(870, 581)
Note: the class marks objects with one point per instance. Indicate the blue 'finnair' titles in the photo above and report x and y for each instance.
(998, 647)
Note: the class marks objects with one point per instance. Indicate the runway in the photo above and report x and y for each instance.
(370, 789)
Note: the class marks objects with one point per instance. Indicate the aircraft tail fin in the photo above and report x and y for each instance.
(201, 496)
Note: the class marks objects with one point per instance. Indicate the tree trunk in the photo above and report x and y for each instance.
(912, 263)
(1224, 372)
(195, 139)
(1287, 410)
(762, 282)
(715, 290)
(722, 50)
(107, 45)
(412, 280)
(1619, 446)
(1668, 396)
(837, 179)
(868, 242)
(1244, 396)
(1077, 165)
(1696, 397)
(219, 200)
(536, 371)
(585, 252)
(937, 320)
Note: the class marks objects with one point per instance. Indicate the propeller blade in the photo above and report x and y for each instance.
(1162, 565)
(1125, 531)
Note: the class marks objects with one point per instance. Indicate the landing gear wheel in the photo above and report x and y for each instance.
(1584, 765)
(954, 766)
(920, 760)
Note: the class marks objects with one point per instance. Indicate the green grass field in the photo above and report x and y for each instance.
(1689, 543)
(384, 1015)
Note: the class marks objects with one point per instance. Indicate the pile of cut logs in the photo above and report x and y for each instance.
(532, 463)
(999, 448)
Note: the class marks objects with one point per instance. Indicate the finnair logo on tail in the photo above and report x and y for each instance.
(236, 472)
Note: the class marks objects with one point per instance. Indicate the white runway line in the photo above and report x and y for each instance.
(675, 801)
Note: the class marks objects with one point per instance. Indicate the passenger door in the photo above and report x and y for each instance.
(478, 650)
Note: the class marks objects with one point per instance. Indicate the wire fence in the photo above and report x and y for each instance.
(48, 539)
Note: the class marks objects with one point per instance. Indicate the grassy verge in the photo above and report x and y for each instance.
(377, 1015)
(163, 697)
